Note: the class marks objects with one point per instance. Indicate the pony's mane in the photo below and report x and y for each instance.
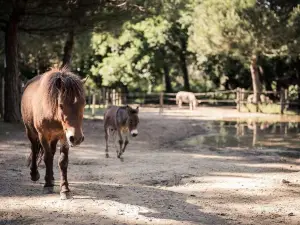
(71, 87)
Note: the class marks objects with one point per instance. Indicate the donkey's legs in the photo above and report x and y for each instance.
(125, 144)
(63, 165)
(191, 105)
(121, 144)
(34, 173)
(106, 142)
(180, 103)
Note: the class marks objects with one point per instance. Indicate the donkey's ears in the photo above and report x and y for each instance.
(128, 108)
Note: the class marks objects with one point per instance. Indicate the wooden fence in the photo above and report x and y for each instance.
(281, 98)
(237, 97)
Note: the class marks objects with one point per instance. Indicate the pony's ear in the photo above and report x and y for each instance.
(84, 79)
(59, 83)
(137, 109)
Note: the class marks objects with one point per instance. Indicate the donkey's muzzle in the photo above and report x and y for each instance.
(134, 133)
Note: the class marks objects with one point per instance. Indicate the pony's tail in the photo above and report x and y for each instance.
(40, 154)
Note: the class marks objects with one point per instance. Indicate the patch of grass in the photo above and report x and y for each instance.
(266, 108)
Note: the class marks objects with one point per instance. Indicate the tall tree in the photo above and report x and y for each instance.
(11, 78)
(244, 29)
(52, 18)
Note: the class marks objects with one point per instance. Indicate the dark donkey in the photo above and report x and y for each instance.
(123, 120)
(52, 110)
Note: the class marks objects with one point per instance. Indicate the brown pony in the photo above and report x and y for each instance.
(52, 110)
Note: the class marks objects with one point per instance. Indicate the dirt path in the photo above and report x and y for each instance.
(161, 181)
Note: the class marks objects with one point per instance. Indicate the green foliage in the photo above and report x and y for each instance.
(212, 39)
(238, 28)
(133, 58)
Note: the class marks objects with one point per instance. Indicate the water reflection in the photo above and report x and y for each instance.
(224, 134)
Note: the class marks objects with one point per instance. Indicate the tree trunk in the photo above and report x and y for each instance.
(11, 78)
(168, 85)
(166, 71)
(67, 58)
(1, 96)
(183, 64)
(256, 84)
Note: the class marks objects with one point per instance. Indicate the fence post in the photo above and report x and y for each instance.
(286, 97)
(124, 98)
(88, 98)
(113, 97)
(161, 103)
(238, 96)
(100, 97)
(106, 97)
(282, 101)
(93, 105)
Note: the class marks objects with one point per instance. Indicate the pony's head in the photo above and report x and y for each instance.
(68, 101)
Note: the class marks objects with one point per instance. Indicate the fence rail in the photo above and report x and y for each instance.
(237, 97)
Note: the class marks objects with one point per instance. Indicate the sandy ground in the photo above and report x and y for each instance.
(161, 181)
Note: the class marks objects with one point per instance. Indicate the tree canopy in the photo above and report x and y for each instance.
(150, 46)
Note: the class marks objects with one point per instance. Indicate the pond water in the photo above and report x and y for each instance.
(222, 135)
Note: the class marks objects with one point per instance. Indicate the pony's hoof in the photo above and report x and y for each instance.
(121, 159)
(65, 195)
(48, 190)
(107, 155)
(35, 176)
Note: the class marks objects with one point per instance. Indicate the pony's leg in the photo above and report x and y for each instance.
(53, 150)
(63, 165)
(48, 159)
(106, 142)
(34, 173)
(120, 143)
(180, 104)
(191, 105)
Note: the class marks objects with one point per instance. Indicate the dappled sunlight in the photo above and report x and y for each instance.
(235, 182)
(123, 203)
(166, 177)
(233, 174)
(279, 166)
(99, 213)
(220, 157)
